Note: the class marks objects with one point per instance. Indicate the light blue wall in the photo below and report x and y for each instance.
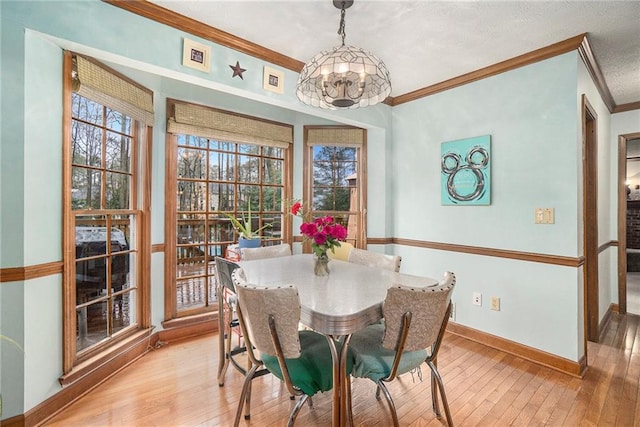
(12, 217)
(531, 115)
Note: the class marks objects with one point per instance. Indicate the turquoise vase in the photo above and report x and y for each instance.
(249, 243)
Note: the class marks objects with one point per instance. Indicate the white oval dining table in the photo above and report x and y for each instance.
(347, 300)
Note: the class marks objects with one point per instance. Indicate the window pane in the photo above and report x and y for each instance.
(248, 169)
(191, 163)
(132, 259)
(123, 308)
(190, 293)
(92, 324)
(275, 231)
(91, 277)
(222, 145)
(85, 188)
(120, 272)
(90, 228)
(190, 229)
(193, 141)
(118, 122)
(331, 199)
(334, 170)
(212, 289)
(271, 198)
(86, 144)
(191, 260)
(246, 193)
(191, 196)
(118, 152)
(86, 110)
(118, 191)
(221, 196)
(274, 152)
(219, 230)
(122, 231)
(272, 171)
(221, 166)
(248, 149)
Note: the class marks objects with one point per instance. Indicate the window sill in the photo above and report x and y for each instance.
(101, 366)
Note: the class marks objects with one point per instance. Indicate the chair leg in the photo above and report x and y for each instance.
(247, 403)
(296, 409)
(223, 361)
(434, 396)
(443, 395)
(227, 353)
(246, 391)
(392, 407)
(349, 402)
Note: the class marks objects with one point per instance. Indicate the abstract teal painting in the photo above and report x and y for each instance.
(465, 167)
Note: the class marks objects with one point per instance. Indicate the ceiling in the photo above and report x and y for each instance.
(427, 42)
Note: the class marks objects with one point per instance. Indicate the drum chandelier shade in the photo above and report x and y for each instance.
(344, 77)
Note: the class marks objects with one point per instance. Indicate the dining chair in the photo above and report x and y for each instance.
(341, 252)
(411, 333)
(375, 259)
(228, 321)
(302, 359)
(273, 251)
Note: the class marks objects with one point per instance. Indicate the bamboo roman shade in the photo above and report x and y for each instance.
(104, 86)
(190, 119)
(335, 136)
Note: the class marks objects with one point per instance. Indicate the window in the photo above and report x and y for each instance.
(102, 218)
(334, 181)
(213, 173)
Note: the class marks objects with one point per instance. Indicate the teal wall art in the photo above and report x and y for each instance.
(465, 167)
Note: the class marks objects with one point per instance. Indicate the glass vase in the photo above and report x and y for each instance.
(321, 265)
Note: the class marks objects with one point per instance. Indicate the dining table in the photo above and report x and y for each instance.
(345, 301)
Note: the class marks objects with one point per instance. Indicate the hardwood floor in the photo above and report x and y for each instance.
(633, 292)
(176, 385)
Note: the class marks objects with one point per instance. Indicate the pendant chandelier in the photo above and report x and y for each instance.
(345, 77)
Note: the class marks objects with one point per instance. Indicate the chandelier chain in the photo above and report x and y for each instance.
(341, 32)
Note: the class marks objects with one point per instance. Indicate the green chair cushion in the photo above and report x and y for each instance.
(313, 370)
(374, 361)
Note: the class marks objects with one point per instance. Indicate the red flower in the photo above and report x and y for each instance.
(308, 229)
(296, 208)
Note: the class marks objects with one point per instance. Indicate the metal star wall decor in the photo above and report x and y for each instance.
(237, 70)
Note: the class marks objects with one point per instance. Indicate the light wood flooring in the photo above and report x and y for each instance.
(176, 385)
(633, 292)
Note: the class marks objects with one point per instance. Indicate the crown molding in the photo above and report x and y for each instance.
(594, 70)
(519, 61)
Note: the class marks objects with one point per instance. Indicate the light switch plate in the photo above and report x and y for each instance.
(544, 216)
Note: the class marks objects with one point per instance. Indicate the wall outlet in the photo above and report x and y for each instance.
(495, 303)
(452, 314)
(477, 298)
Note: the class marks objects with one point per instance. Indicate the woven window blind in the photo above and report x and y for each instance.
(336, 136)
(103, 86)
(190, 119)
